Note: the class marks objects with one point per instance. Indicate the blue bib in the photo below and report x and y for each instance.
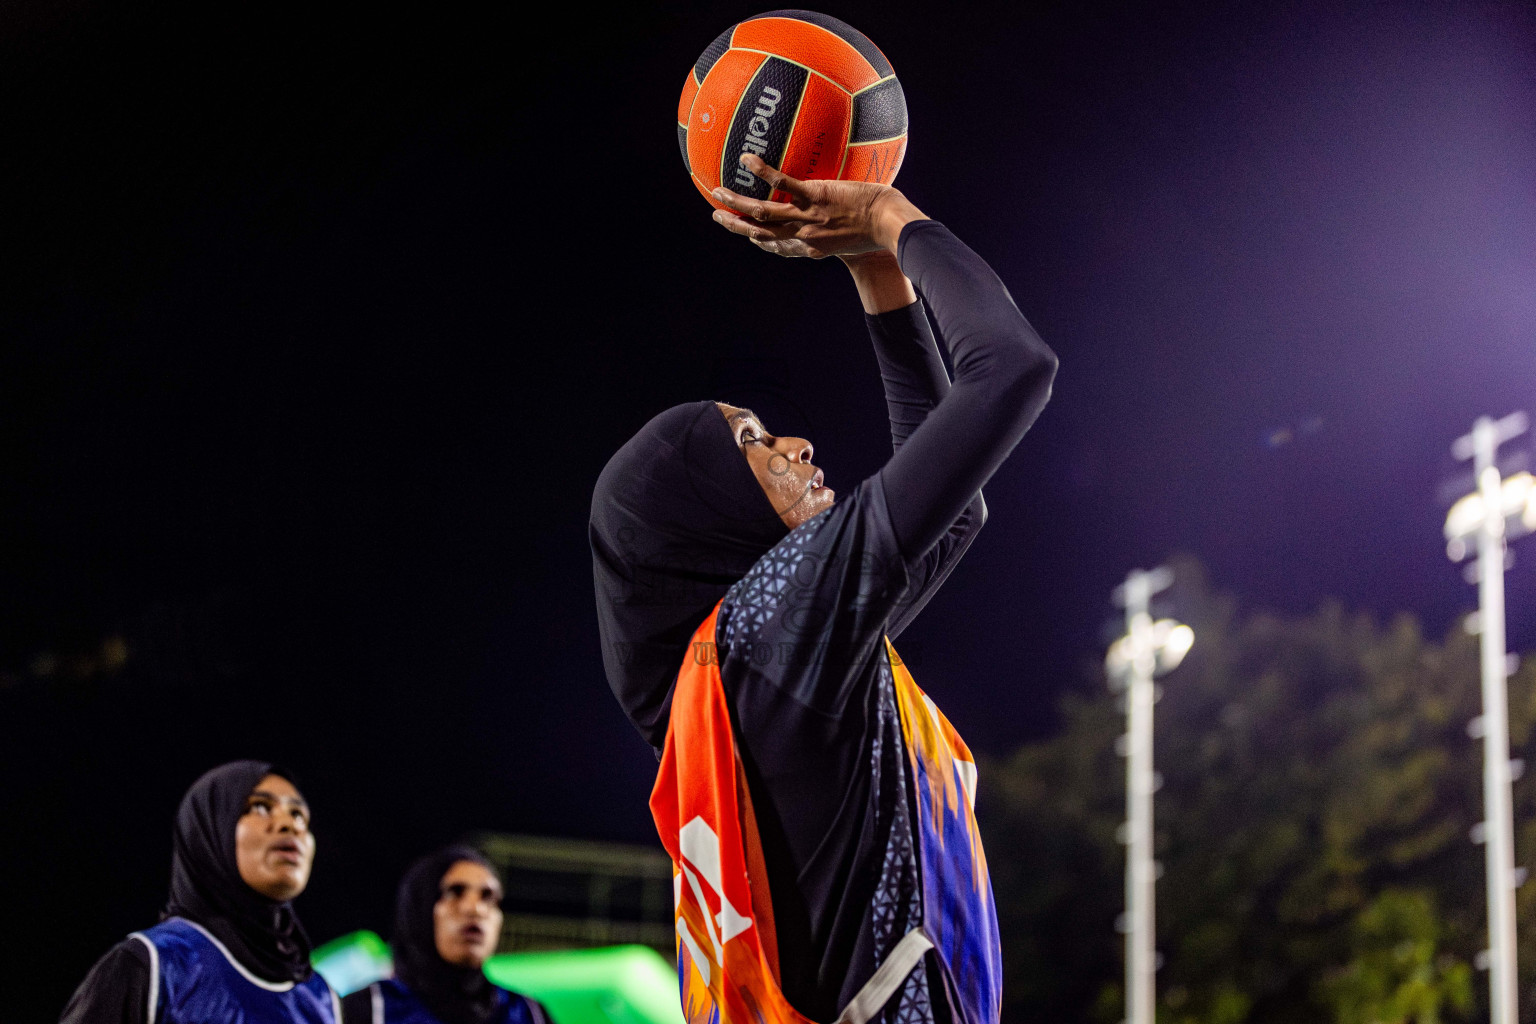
(193, 979)
(393, 1003)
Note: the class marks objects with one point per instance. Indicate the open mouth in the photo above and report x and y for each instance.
(816, 480)
(287, 850)
(472, 932)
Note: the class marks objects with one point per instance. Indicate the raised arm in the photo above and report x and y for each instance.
(915, 381)
(1003, 371)
(1003, 376)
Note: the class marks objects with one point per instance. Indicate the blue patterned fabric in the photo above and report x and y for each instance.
(396, 1004)
(194, 980)
(959, 915)
(756, 597)
(775, 625)
(897, 907)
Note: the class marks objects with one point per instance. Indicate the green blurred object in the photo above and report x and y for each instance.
(353, 961)
(611, 985)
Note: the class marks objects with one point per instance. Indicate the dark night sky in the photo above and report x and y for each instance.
(320, 327)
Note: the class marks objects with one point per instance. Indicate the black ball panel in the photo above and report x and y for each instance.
(844, 31)
(879, 112)
(712, 53)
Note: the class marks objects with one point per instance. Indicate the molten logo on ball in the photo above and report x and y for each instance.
(757, 131)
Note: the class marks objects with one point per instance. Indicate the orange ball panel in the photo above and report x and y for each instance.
(685, 103)
(703, 191)
(877, 162)
(810, 45)
(815, 147)
(710, 120)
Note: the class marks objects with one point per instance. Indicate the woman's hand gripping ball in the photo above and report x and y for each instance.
(822, 218)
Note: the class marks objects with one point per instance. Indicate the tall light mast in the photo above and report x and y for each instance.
(1498, 510)
(1147, 649)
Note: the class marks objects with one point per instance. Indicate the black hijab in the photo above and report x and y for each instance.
(455, 995)
(206, 886)
(677, 517)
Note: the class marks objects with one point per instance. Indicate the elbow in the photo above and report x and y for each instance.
(1042, 364)
(1030, 377)
(1044, 376)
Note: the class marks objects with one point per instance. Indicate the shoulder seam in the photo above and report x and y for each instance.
(154, 975)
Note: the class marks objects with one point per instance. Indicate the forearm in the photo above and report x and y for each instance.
(912, 372)
(914, 379)
(881, 284)
(1003, 375)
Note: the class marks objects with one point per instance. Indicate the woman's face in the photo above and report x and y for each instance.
(274, 848)
(466, 920)
(782, 466)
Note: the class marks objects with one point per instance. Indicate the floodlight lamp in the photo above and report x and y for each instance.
(1464, 520)
(1175, 643)
(1519, 499)
(1517, 508)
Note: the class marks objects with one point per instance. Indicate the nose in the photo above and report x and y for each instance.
(798, 449)
(467, 908)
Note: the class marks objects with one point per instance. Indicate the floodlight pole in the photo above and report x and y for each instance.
(1140, 783)
(1482, 446)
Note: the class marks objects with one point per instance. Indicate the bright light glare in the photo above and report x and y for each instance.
(1175, 640)
(1519, 494)
(1517, 500)
(1465, 517)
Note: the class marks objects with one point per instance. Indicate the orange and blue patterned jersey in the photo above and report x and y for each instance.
(941, 899)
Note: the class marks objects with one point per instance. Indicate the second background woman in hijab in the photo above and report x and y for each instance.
(229, 945)
(447, 922)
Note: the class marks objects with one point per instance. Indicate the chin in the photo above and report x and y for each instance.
(287, 888)
(472, 959)
(820, 505)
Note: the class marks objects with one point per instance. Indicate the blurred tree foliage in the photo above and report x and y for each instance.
(1320, 786)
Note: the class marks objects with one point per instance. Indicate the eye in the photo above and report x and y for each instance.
(260, 807)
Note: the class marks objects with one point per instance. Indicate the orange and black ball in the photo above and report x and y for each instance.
(808, 93)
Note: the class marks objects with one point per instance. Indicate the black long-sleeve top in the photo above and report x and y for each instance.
(116, 991)
(800, 636)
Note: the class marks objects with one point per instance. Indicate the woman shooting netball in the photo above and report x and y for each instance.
(816, 805)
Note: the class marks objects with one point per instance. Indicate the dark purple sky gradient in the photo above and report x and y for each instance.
(1285, 261)
(321, 330)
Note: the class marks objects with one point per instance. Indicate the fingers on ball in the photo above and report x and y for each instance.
(729, 198)
(763, 169)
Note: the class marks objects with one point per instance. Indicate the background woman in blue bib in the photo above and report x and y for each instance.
(447, 921)
(228, 946)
